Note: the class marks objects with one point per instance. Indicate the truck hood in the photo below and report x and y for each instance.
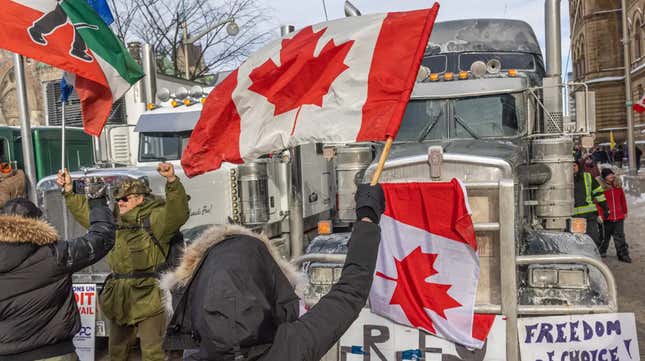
(409, 161)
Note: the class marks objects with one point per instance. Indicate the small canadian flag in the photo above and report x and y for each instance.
(639, 106)
(428, 267)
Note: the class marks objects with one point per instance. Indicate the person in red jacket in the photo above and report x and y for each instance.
(614, 226)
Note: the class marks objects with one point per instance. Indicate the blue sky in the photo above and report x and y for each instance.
(305, 12)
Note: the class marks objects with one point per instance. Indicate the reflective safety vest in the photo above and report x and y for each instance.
(597, 194)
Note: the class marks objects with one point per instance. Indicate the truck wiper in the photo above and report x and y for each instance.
(152, 157)
(428, 128)
(462, 122)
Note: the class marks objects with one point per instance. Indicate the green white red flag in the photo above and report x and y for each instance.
(71, 36)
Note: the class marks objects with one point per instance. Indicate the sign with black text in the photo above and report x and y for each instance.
(375, 338)
(601, 337)
(85, 296)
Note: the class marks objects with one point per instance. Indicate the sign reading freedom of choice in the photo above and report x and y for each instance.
(602, 337)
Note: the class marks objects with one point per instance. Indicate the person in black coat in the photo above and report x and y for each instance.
(236, 298)
(38, 314)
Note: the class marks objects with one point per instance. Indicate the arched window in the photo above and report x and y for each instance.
(637, 39)
(581, 56)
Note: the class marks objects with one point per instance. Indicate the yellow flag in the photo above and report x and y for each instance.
(612, 141)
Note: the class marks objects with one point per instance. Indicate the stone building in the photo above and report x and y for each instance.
(597, 53)
(37, 76)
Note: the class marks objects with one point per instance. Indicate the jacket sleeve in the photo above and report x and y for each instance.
(78, 206)
(313, 334)
(88, 249)
(623, 200)
(166, 220)
(597, 192)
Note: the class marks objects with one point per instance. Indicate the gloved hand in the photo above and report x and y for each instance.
(370, 202)
(95, 188)
(605, 214)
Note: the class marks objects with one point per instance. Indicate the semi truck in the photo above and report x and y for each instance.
(486, 110)
(47, 149)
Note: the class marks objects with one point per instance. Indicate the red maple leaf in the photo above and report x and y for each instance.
(301, 78)
(413, 293)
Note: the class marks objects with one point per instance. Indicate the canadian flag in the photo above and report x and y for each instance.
(639, 106)
(428, 268)
(345, 80)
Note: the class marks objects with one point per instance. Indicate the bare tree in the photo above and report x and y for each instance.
(161, 24)
(124, 12)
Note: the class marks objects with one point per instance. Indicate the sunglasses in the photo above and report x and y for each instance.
(126, 198)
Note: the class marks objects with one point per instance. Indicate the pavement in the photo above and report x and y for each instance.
(629, 277)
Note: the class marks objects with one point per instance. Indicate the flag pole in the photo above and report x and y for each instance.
(62, 165)
(62, 135)
(381, 161)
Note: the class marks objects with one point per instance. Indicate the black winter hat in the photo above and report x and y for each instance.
(605, 172)
(21, 207)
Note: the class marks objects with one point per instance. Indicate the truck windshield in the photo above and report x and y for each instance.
(493, 116)
(164, 146)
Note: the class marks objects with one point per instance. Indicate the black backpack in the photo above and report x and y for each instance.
(175, 248)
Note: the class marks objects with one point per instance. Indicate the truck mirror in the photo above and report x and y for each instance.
(585, 111)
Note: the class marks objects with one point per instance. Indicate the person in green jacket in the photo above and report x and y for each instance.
(131, 298)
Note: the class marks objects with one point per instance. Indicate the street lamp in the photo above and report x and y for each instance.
(232, 29)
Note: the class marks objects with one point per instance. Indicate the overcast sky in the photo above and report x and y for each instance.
(305, 12)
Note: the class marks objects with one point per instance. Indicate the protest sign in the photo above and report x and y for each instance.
(602, 337)
(85, 296)
(375, 338)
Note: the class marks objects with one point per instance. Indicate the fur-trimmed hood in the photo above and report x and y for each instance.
(181, 276)
(17, 229)
(606, 186)
(20, 237)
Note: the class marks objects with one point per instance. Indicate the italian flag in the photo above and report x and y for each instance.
(49, 31)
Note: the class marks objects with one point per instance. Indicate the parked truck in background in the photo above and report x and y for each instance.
(47, 149)
(486, 111)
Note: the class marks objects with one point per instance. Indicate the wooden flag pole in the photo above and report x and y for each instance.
(381, 161)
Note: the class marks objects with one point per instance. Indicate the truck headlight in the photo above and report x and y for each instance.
(324, 275)
(549, 277)
(321, 275)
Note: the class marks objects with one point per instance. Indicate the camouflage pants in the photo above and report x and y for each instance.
(150, 333)
(68, 357)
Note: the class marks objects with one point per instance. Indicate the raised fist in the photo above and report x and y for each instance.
(95, 188)
(370, 202)
(167, 170)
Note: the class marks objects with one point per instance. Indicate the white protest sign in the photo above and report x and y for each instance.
(375, 338)
(601, 337)
(85, 296)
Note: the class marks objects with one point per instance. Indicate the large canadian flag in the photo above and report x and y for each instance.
(345, 80)
(428, 268)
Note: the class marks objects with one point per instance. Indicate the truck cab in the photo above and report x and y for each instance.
(480, 114)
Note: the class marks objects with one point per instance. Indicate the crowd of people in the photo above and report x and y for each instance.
(616, 157)
(214, 305)
(599, 197)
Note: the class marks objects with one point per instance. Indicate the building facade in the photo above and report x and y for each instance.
(37, 76)
(597, 59)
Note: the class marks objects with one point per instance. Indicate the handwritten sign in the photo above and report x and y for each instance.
(375, 338)
(602, 337)
(85, 296)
